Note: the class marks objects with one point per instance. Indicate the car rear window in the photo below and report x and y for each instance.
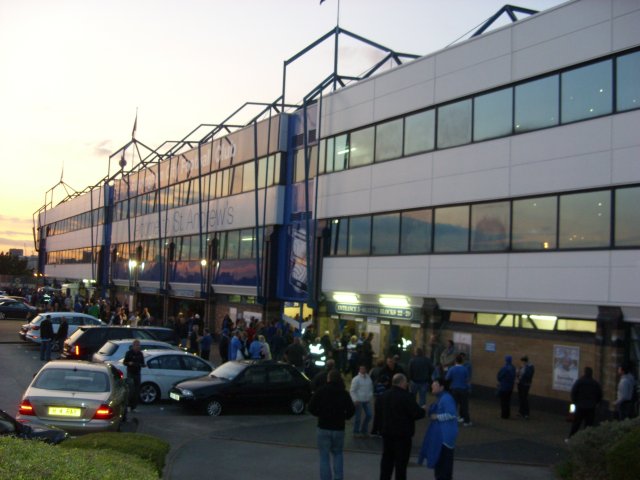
(108, 348)
(75, 335)
(72, 380)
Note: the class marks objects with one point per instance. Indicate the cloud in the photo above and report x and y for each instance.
(103, 148)
(14, 220)
(10, 233)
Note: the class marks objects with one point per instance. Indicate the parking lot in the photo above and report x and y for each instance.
(268, 444)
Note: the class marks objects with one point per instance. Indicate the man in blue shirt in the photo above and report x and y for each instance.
(458, 376)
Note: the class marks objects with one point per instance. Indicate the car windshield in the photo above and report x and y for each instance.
(108, 348)
(36, 319)
(72, 380)
(228, 371)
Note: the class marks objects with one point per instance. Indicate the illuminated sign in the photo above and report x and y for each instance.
(374, 311)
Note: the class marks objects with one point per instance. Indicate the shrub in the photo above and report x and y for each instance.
(588, 448)
(623, 459)
(148, 448)
(33, 460)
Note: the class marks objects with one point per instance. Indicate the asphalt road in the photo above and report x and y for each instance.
(276, 445)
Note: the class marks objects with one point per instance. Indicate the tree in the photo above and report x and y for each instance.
(13, 265)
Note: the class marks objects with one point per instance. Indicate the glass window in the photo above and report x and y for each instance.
(628, 81)
(490, 226)
(341, 156)
(415, 236)
(361, 147)
(451, 232)
(585, 220)
(454, 124)
(275, 170)
(298, 171)
(233, 244)
(419, 132)
(587, 91)
(313, 161)
(339, 230)
(493, 114)
(389, 140)
(534, 223)
(627, 227)
(236, 179)
(330, 154)
(385, 234)
(322, 157)
(225, 182)
(262, 172)
(249, 177)
(247, 239)
(537, 104)
(360, 235)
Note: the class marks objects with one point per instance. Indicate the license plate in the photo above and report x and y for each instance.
(64, 412)
(174, 396)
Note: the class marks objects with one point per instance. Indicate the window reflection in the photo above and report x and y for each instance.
(454, 124)
(451, 232)
(628, 81)
(360, 235)
(341, 154)
(389, 140)
(534, 223)
(536, 104)
(416, 231)
(490, 226)
(385, 234)
(419, 132)
(585, 220)
(493, 114)
(587, 92)
(339, 230)
(361, 147)
(627, 228)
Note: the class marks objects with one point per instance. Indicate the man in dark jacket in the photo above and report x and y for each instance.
(46, 337)
(506, 379)
(586, 394)
(399, 413)
(63, 332)
(332, 404)
(134, 361)
(420, 371)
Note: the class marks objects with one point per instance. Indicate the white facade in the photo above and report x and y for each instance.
(594, 153)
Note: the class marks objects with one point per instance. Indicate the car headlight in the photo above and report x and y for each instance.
(186, 393)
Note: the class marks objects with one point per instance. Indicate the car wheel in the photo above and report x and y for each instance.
(149, 393)
(213, 408)
(2, 317)
(297, 406)
(55, 346)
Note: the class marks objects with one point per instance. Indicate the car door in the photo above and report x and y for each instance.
(164, 371)
(281, 385)
(250, 387)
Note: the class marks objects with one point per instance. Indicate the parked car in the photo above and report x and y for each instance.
(164, 334)
(245, 383)
(15, 309)
(31, 331)
(115, 350)
(165, 368)
(77, 396)
(87, 340)
(10, 427)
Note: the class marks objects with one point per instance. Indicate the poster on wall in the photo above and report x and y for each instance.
(566, 367)
(462, 341)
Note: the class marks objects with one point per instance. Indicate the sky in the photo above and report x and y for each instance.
(73, 74)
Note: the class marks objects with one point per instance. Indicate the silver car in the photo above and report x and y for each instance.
(31, 331)
(115, 350)
(163, 369)
(77, 396)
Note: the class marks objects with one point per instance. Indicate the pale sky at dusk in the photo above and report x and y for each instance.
(73, 73)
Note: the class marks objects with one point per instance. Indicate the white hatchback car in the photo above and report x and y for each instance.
(31, 331)
(165, 368)
(115, 350)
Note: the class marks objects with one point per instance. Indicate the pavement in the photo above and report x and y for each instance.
(274, 445)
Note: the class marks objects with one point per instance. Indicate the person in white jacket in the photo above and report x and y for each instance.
(362, 394)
